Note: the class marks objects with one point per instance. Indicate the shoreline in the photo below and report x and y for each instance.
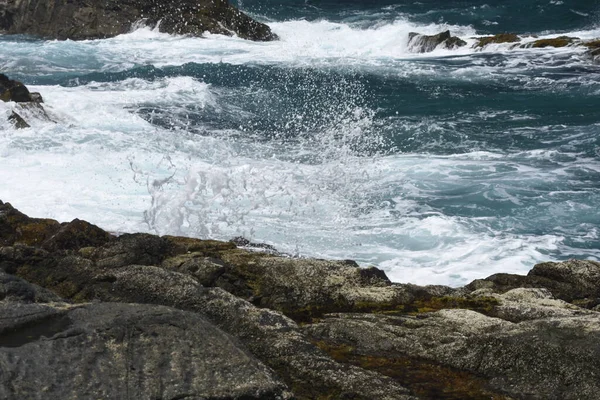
(301, 328)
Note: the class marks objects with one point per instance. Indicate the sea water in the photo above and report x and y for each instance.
(337, 141)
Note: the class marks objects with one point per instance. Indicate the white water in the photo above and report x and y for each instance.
(104, 163)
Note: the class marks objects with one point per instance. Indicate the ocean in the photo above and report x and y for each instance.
(337, 141)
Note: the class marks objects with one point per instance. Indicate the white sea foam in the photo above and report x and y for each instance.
(105, 162)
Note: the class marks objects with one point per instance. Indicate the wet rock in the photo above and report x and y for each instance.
(426, 43)
(561, 41)
(18, 121)
(123, 350)
(77, 20)
(499, 38)
(593, 51)
(11, 90)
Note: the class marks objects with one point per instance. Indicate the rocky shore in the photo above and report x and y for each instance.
(83, 19)
(86, 314)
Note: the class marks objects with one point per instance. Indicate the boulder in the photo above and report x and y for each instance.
(82, 19)
(426, 43)
(112, 350)
(11, 90)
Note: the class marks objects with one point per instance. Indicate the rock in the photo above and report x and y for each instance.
(574, 281)
(16, 289)
(18, 121)
(15, 91)
(328, 329)
(76, 235)
(499, 38)
(424, 43)
(80, 19)
(11, 90)
(561, 41)
(593, 50)
(116, 350)
(17, 228)
(549, 358)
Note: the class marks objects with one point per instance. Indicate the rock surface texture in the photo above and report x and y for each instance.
(95, 19)
(89, 315)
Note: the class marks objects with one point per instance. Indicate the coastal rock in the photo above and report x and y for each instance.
(306, 328)
(11, 90)
(18, 121)
(499, 38)
(426, 43)
(593, 51)
(116, 350)
(561, 41)
(574, 281)
(78, 20)
(549, 358)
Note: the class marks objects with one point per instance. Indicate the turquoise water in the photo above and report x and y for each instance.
(336, 141)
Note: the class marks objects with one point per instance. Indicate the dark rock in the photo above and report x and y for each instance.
(17, 289)
(36, 97)
(16, 227)
(18, 121)
(14, 90)
(80, 19)
(424, 43)
(499, 38)
(138, 248)
(76, 235)
(124, 351)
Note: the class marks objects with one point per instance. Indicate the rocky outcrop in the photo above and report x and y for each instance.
(15, 91)
(426, 43)
(81, 19)
(275, 326)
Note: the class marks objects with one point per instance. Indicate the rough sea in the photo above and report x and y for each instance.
(336, 141)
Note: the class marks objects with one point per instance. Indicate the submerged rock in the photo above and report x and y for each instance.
(499, 38)
(426, 43)
(561, 41)
(79, 19)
